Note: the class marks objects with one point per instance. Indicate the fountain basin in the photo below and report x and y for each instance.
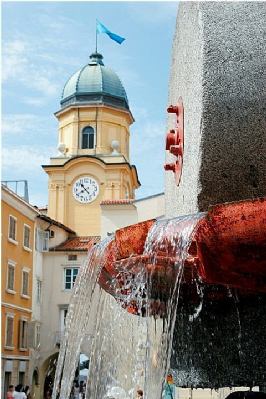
(228, 249)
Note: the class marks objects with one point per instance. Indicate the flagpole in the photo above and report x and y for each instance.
(96, 34)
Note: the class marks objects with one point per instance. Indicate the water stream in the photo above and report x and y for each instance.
(172, 237)
(127, 352)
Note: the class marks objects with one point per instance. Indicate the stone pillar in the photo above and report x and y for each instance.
(218, 67)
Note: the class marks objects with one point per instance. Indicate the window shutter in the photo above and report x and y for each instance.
(31, 334)
(20, 332)
(25, 283)
(10, 277)
(42, 240)
(38, 240)
(37, 335)
(46, 241)
(9, 331)
(12, 228)
(26, 237)
(25, 334)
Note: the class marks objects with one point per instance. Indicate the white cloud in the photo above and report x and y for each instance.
(14, 59)
(139, 112)
(21, 64)
(34, 101)
(57, 25)
(41, 83)
(25, 159)
(24, 124)
(17, 123)
(147, 137)
(153, 12)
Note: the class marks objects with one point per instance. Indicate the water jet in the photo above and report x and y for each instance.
(188, 292)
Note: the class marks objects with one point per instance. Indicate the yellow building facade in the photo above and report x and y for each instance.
(93, 164)
(17, 273)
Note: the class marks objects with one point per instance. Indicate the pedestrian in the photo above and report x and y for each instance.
(10, 392)
(139, 394)
(72, 393)
(76, 390)
(81, 390)
(84, 390)
(169, 387)
(18, 393)
(26, 390)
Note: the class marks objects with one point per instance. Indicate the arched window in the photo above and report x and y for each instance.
(87, 137)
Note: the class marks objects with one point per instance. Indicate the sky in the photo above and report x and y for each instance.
(44, 43)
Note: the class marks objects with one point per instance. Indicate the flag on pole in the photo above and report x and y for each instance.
(100, 28)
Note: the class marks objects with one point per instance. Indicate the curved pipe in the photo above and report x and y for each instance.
(228, 249)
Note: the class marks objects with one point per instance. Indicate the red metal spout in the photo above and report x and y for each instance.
(229, 249)
(170, 139)
(175, 140)
(173, 109)
(170, 166)
(231, 245)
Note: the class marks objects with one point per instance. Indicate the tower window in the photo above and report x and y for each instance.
(88, 137)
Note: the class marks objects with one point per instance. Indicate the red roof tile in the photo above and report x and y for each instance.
(77, 244)
(117, 202)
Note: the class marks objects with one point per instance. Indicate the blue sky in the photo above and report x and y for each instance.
(44, 43)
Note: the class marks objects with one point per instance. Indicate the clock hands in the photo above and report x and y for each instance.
(82, 185)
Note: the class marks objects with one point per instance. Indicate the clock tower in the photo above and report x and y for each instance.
(93, 163)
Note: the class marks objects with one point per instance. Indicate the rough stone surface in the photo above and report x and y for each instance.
(186, 81)
(218, 68)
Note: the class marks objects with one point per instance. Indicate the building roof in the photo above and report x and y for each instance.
(83, 243)
(149, 197)
(117, 202)
(43, 209)
(95, 83)
(12, 193)
(56, 223)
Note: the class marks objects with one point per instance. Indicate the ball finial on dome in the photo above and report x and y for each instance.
(96, 59)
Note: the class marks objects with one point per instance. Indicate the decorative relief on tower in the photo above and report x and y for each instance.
(54, 186)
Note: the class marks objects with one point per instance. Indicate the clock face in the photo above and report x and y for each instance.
(85, 189)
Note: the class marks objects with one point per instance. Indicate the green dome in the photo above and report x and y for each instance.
(95, 83)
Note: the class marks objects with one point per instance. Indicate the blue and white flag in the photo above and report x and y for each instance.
(100, 28)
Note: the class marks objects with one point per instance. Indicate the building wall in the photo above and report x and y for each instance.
(113, 180)
(56, 299)
(152, 207)
(115, 217)
(14, 303)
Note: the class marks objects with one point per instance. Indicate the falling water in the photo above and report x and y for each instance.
(126, 351)
(171, 237)
(78, 314)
